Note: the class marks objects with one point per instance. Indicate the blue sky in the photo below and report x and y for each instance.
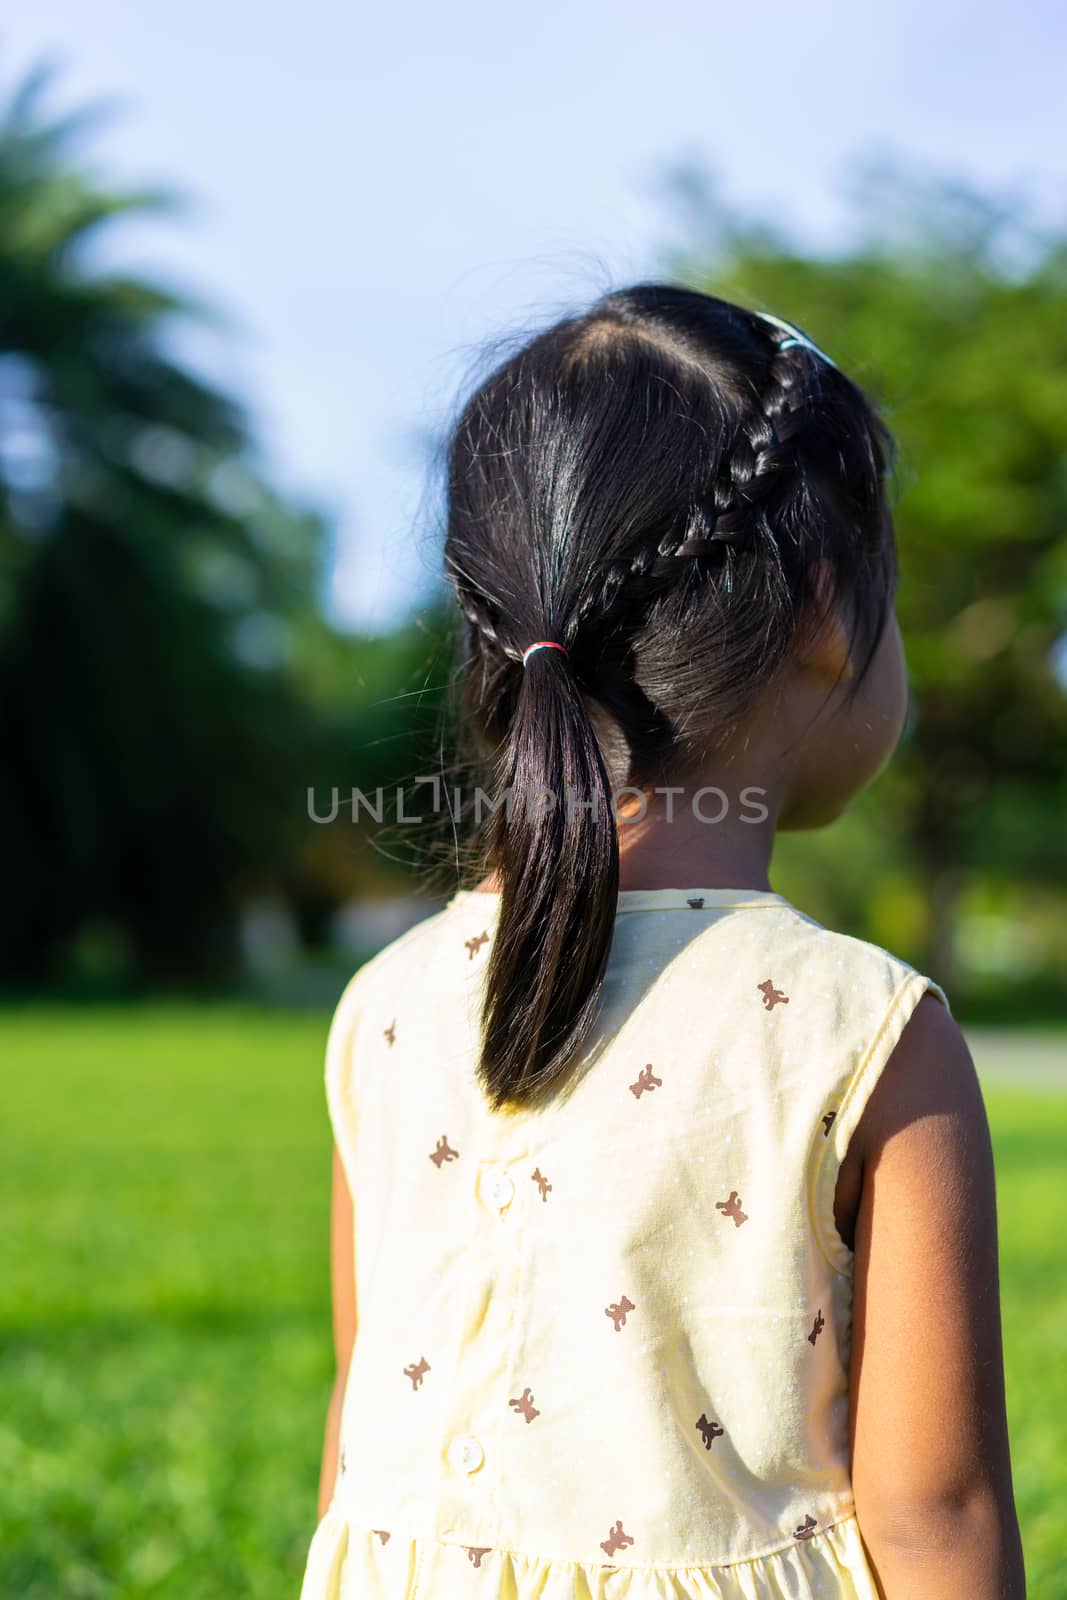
(375, 189)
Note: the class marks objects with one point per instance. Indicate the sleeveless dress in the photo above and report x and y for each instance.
(603, 1346)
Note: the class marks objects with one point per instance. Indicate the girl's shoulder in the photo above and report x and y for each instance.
(437, 959)
(847, 992)
(844, 961)
(397, 961)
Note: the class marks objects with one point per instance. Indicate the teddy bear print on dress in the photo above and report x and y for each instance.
(475, 1552)
(709, 1431)
(617, 1313)
(389, 1033)
(806, 1528)
(383, 1534)
(817, 1326)
(732, 1208)
(417, 1371)
(541, 1181)
(646, 1079)
(771, 996)
(525, 1405)
(475, 944)
(443, 1152)
(616, 1540)
(826, 1122)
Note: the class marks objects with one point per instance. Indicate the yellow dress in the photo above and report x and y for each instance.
(603, 1347)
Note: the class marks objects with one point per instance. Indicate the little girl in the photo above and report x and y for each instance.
(667, 1215)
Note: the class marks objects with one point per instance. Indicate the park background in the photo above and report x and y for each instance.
(220, 521)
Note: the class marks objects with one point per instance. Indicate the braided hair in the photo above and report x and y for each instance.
(665, 484)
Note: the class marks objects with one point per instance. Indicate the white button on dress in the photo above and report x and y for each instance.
(465, 1453)
(500, 1190)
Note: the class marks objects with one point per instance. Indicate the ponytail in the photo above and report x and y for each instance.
(557, 857)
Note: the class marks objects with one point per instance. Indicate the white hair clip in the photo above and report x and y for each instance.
(796, 337)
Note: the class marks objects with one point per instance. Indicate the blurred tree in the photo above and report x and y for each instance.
(152, 590)
(378, 700)
(950, 307)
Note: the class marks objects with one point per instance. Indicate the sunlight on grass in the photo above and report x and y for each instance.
(166, 1353)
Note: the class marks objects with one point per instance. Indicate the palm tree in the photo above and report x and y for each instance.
(150, 583)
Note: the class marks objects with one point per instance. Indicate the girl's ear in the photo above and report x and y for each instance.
(822, 644)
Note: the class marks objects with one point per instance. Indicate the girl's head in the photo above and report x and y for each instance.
(691, 500)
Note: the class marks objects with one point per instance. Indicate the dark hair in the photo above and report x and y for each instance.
(653, 483)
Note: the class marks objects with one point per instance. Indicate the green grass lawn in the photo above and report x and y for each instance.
(165, 1344)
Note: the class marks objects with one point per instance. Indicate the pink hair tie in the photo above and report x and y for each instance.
(543, 644)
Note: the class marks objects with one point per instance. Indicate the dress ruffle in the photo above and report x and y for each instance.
(348, 1562)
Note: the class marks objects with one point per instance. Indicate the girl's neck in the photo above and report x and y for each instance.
(684, 854)
(683, 843)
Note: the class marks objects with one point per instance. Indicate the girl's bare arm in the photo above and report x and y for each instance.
(343, 1291)
(931, 1469)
